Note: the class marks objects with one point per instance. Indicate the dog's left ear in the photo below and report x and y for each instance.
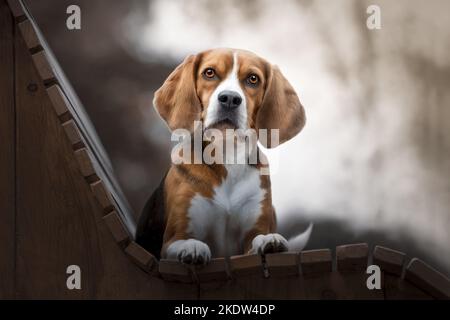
(177, 101)
(281, 109)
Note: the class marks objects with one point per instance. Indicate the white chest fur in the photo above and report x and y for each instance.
(222, 222)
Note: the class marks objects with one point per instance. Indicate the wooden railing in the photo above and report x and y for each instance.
(312, 274)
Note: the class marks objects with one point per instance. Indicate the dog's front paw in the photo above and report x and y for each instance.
(190, 251)
(269, 243)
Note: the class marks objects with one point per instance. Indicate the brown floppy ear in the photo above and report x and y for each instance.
(177, 101)
(281, 109)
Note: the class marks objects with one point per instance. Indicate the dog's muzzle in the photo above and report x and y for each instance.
(229, 102)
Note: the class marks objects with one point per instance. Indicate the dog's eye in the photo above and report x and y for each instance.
(209, 73)
(253, 79)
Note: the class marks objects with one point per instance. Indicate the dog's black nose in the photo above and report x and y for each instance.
(229, 99)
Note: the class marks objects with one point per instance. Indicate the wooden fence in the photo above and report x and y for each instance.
(60, 205)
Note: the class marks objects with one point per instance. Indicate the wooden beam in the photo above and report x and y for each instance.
(16, 8)
(103, 196)
(72, 132)
(29, 35)
(283, 264)
(43, 66)
(172, 270)
(85, 162)
(352, 258)
(58, 99)
(142, 258)
(389, 260)
(117, 228)
(428, 279)
(216, 270)
(243, 265)
(7, 154)
(316, 262)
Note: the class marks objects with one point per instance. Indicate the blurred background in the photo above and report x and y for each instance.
(373, 162)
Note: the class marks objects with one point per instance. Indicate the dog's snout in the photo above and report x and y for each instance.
(230, 99)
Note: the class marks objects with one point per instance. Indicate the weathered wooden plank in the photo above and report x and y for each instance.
(72, 132)
(352, 257)
(102, 195)
(318, 287)
(243, 265)
(58, 99)
(316, 268)
(29, 35)
(350, 282)
(391, 263)
(316, 262)
(428, 279)
(216, 283)
(216, 270)
(142, 257)
(220, 290)
(117, 228)
(389, 260)
(7, 154)
(16, 8)
(85, 162)
(283, 280)
(247, 272)
(353, 286)
(173, 270)
(283, 264)
(276, 288)
(250, 281)
(43, 66)
(396, 288)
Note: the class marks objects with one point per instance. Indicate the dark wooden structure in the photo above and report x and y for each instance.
(60, 205)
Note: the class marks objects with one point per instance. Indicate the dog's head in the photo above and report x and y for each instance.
(227, 88)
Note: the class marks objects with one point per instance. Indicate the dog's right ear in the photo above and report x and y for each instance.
(177, 101)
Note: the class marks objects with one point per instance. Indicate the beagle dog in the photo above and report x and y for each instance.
(217, 210)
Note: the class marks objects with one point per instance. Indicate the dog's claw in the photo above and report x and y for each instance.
(193, 252)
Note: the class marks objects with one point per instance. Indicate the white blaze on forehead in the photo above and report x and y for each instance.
(232, 83)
